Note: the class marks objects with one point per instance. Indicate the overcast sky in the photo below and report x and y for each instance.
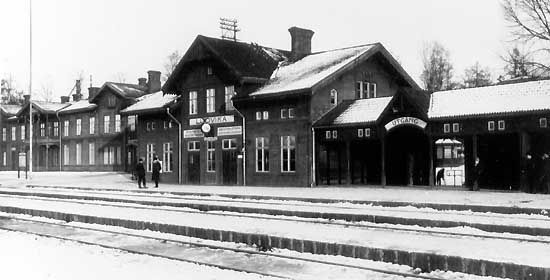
(114, 39)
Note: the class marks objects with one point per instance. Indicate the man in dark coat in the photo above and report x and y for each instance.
(440, 176)
(545, 173)
(140, 172)
(528, 172)
(157, 167)
(478, 173)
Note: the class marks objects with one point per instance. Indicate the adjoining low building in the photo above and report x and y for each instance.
(156, 118)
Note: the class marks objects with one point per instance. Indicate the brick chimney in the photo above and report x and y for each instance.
(92, 92)
(153, 82)
(27, 98)
(78, 91)
(142, 82)
(65, 99)
(301, 42)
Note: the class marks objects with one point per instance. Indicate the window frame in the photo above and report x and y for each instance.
(167, 156)
(288, 148)
(210, 156)
(78, 152)
(262, 150)
(232, 144)
(66, 154)
(333, 97)
(210, 100)
(118, 123)
(196, 146)
(284, 113)
(501, 125)
(543, 123)
(456, 127)
(149, 155)
(491, 125)
(42, 129)
(446, 128)
(106, 124)
(23, 130)
(229, 94)
(78, 127)
(55, 129)
(91, 124)
(91, 153)
(193, 102)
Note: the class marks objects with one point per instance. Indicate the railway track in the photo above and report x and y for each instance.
(62, 231)
(385, 227)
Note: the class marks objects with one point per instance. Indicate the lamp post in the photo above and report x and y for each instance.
(30, 89)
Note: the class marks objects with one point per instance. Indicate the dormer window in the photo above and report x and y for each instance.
(333, 97)
(365, 89)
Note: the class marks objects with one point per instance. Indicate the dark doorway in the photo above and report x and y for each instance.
(332, 167)
(407, 156)
(365, 162)
(500, 156)
(194, 168)
(229, 158)
(14, 160)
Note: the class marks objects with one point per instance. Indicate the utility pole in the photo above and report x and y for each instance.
(30, 90)
(229, 29)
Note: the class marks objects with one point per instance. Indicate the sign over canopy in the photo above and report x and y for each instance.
(405, 121)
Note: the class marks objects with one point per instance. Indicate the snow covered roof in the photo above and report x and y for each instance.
(82, 105)
(499, 99)
(310, 70)
(122, 89)
(150, 102)
(359, 111)
(10, 109)
(44, 107)
(363, 111)
(448, 142)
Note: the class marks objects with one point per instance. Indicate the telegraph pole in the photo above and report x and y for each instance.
(30, 90)
(229, 29)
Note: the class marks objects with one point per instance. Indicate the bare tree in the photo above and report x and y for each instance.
(530, 22)
(120, 77)
(46, 92)
(172, 61)
(438, 70)
(477, 76)
(9, 94)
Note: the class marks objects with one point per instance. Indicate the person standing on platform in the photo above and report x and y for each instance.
(527, 171)
(441, 176)
(545, 173)
(478, 172)
(140, 172)
(157, 169)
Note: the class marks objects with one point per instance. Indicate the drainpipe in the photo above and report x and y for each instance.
(313, 158)
(179, 143)
(59, 132)
(244, 145)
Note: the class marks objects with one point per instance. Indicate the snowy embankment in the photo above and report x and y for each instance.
(474, 248)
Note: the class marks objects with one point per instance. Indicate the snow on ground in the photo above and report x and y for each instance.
(327, 258)
(490, 249)
(112, 180)
(26, 256)
(526, 220)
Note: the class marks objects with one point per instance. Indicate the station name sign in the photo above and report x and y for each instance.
(405, 121)
(211, 120)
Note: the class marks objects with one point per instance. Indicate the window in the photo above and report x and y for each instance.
(192, 103)
(150, 126)
(167, 159)
(360, 133)
(284, 113)
(117, 123)
(118, 154)
(333, 97)
(262, 115)
(290, 113)
(167, 124)
(193, 146)
(78, 126)
(78, 154)
(150, 155)
(439, 152)
(229, 144)
(367, 132)
(258, 116)
(210, 156)
(501, 125)
(108, 155)
(543, 123)
(491, 125)
(334, 134)
(447, 152)
(42, 129)
(56, 129)
(13, 134)
(328, 135)
(262, 154)
(229, 93)
(4, 134)
(91, 153)
(23, 132)
(456, 127)
(66, 154)
(4, 159)
(66, 128)
(106, 123)
(92, 125)
(210, 100)
(209, 71)
(365, 90)
(132, 122)
(265, 115)
(446, 128)
(288, 153)
(111, 101)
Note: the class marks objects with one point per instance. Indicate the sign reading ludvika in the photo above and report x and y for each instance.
(404, 121)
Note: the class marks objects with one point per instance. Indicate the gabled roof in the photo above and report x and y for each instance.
(314, 69)
(10, 109)
(246, 60)
(44, 107)
(351, 112)
(491, 100)
(151, 103)
(126, 91)
(79, 106)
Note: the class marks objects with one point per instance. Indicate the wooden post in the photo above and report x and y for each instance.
(339, 152)
(348, 161)
(328, 164)
(383, 161)
(431, 167)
